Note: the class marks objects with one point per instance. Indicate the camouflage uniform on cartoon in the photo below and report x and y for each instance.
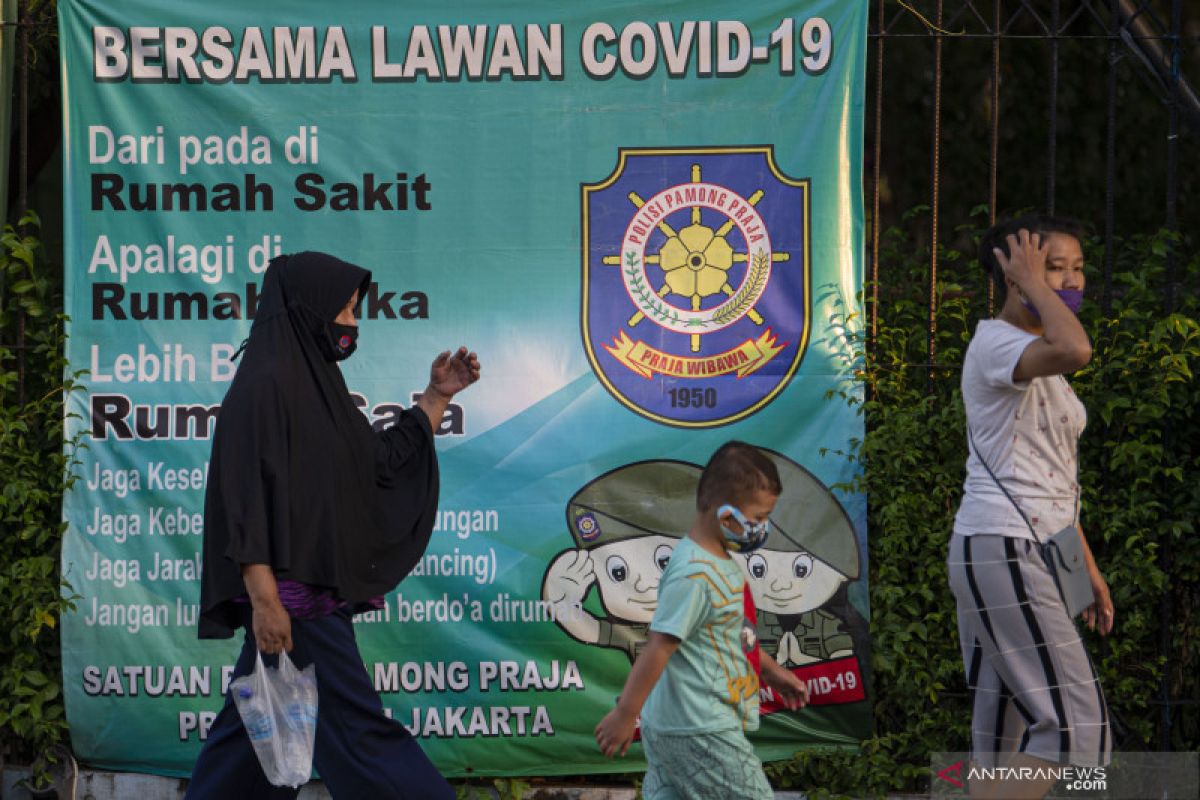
(810, 553)
(818, 634)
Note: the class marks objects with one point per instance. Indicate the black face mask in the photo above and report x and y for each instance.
(339, 341)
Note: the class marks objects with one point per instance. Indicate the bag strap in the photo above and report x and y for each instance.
(286, 668)
(979, 455)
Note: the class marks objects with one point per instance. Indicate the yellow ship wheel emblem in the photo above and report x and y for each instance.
(695, 261)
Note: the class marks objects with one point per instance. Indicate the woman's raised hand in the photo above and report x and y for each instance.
(450, 374)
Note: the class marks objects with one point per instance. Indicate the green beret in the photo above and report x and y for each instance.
(642, 499)
(808, 517)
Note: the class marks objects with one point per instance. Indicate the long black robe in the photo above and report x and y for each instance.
(298, 479)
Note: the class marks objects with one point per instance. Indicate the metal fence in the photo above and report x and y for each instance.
(1139, 41)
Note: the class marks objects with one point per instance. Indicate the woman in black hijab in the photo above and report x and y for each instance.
(311, 516)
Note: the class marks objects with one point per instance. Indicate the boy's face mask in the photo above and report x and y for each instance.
(753, 535)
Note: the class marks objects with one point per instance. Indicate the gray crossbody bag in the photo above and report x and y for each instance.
(1062, 552)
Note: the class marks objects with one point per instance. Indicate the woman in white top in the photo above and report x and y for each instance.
(1036, 697)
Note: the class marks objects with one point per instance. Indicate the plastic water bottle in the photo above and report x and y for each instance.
(300, 716)
(255, 717)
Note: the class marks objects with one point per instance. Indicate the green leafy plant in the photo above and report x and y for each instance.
(35, 468)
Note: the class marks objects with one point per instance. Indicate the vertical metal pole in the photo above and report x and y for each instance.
(1051, 145)
(879, 41)
(1110, 160)
(1172, 223)
(1110, 178)
(933, 223)
(1166, 604)
(993, 154)
(22, 166)
(23, 107)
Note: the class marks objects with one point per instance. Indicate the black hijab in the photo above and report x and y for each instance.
(298, 479)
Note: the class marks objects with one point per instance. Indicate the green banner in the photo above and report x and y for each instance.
(647, 220)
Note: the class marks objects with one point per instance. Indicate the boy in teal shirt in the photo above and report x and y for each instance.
(699, 690)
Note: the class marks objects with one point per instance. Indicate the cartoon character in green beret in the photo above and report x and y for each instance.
(625, 524)
(796, 576)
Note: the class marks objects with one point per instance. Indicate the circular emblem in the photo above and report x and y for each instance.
(344, 342)
(588, 527)
(696, 259)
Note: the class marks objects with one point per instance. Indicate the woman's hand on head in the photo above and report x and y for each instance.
(451, 373)
(1025, 264)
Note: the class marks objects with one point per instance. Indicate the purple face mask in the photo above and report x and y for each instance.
(1072, 298)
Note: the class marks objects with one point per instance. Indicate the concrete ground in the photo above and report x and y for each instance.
(96, 785)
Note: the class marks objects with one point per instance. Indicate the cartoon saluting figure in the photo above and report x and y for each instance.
(625, 526)
(796, 577)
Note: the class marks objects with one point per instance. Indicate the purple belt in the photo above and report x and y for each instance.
(304, 601)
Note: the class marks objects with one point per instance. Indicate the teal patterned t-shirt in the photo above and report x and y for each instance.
(708, 684)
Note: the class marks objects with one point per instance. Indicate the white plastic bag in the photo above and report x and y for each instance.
(278, 707)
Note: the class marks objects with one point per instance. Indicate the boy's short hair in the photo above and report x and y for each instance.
(733, 472)
(997, 235)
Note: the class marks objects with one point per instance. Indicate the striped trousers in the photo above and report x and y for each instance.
(1034, 689)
